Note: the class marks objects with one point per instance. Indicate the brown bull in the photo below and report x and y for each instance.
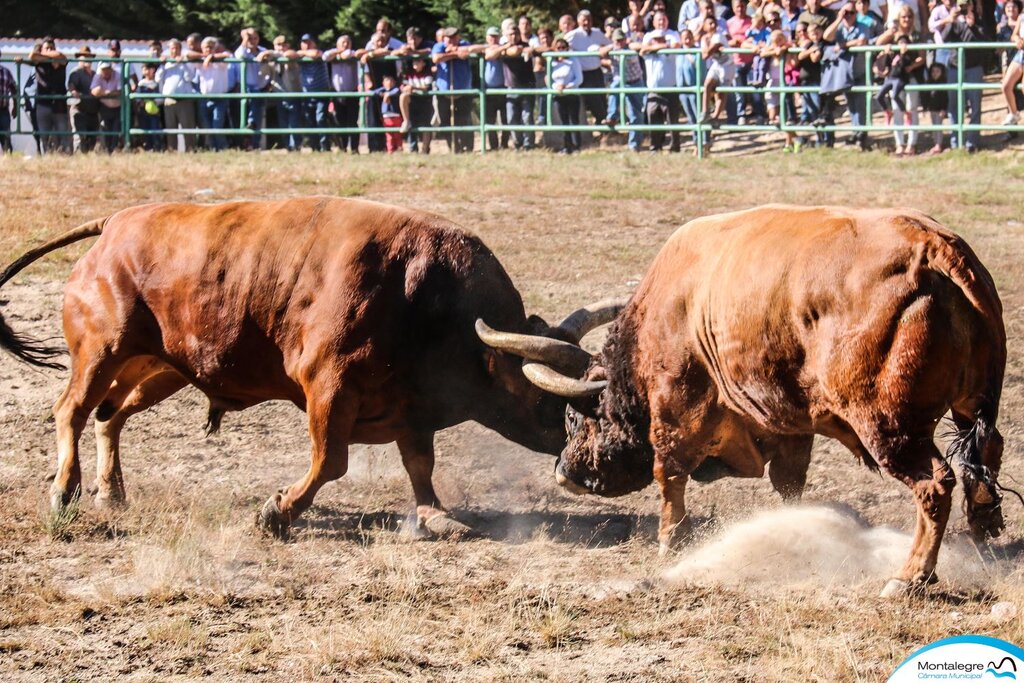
(358, 313)
(753, 331)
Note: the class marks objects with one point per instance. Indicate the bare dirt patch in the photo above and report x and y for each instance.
(180, 586)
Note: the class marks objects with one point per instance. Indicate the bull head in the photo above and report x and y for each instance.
(555, 362)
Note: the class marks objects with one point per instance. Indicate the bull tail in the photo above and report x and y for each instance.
(27, 349)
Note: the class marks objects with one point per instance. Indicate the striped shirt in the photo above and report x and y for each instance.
(8, 88)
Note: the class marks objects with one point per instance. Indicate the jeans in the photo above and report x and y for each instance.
(494, 108)
(634, 102)
(110, 123)
(289, 115)
(756, 99)
(180, 113)
(151, 142)
(213, 114)
(51, 118)
(456, 111)
(346, 110)
(689, 104)
(972, 100)
(519, 112)
(5, 129)
(595, 104)
(316, 117)
(254, 119)
(569, 112)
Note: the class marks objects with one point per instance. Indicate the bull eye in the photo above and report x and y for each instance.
(573, 421)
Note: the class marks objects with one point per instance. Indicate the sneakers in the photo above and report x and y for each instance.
(406, 127)
(1011, 119)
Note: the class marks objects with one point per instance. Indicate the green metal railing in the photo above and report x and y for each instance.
(700, 128)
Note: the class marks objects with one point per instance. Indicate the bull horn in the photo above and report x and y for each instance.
(590, 317)
(536, 348)
(556, 383)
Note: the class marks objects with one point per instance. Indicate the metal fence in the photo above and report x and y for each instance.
(699, 128)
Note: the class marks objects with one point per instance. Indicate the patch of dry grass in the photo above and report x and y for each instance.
(555, 588)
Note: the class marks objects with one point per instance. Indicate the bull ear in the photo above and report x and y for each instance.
(537, 325)
(588, 407)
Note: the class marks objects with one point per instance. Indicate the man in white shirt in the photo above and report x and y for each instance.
(214, 79)
(176, 76)
(585, 38)
(384, 26)
(662, 108)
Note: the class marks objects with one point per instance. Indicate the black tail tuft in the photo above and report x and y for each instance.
(966, 448)
(29, 350)
(213, 418)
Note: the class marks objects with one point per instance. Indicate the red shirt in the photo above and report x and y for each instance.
(738, 32)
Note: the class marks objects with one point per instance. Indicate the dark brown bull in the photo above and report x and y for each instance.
(359, 313)
(753, 331)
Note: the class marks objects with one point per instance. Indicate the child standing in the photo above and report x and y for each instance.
(389, 112)
(148, 111)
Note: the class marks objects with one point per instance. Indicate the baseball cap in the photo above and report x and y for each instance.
(105, 65)
(493, 31)
(451, 32)
(84, 51)
(307, 37)
(618, 34)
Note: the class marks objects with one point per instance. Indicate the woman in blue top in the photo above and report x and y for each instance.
(566, 74)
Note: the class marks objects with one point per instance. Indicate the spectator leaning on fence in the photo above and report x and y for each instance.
(586, 38)
(966, 29)
(343, 69)
(149, 111)
(248, 51)
(8, 106)
(176, 77)
(494, 79)
(83, 108)
(285, 77)
(516, 59)
(106, 85)
(453, 73)
(51, 96)
(662, 108)
(629, 74)
(313, 73)
(846, 69)
(212, 75)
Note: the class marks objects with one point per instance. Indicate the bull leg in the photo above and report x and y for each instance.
(787, 470)
(417, 451)
(922, 468)
(140, 385)
(330, 426)
(87, 387)
(674, 524)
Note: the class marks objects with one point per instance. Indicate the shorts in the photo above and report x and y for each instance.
(716, 72)
(1018, 58)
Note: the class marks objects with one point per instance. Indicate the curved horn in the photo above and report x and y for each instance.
(536, 348)
(556, 383)
(590, 317)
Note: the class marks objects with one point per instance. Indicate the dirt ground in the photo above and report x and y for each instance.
(180, 586)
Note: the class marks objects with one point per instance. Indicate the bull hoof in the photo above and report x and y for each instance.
(895, 588)
(443, 526)
(664, 549)
(61, 501)
(109, 501)
(271, 520)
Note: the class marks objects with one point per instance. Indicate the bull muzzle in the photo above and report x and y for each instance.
(567, 483)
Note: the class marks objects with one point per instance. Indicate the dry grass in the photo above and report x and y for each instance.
(180, 586)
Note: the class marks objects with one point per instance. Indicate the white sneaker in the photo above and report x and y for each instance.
(1011, 119)
(406, 127)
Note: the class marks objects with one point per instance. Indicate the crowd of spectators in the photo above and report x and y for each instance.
(430, 83)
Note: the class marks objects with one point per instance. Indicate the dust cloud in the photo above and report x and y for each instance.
(822, 546)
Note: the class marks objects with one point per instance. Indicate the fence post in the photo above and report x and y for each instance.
(482, 63)
(244, 89)
(960, 96)
(621, 94)
(699, 62)
(547, 85)
(18, 101)
(126, 105)
(869, 58)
